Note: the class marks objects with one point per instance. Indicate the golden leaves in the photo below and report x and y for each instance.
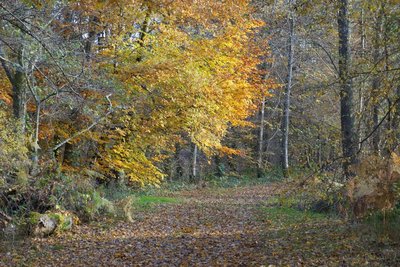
(186, 67)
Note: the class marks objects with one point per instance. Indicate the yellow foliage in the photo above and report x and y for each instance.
(13, 151)
(132, 162)
(187, 68)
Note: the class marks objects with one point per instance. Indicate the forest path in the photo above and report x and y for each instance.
(208, 227)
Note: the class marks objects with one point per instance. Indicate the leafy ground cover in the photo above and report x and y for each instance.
(209, 227)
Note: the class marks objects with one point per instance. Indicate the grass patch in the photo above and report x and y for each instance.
(157, 199)
(147, 202)
(286, 217)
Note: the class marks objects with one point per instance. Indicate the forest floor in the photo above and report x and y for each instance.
(209, 227)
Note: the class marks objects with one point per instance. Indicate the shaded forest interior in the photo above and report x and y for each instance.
(107, 104)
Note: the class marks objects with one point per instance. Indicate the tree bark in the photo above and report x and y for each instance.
(376, 84)
(348, 132)
(396, 123)
(93, 20)
(16, 76)
(261, 140)
(288, 88)
(361, 89)
(194, 167)
(35, 157)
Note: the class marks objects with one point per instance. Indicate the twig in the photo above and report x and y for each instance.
(97, 121)
(379, 124)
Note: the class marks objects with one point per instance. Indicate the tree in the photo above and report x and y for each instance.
(177, 65)
(288, 88)
(348, 131)
(12, 33)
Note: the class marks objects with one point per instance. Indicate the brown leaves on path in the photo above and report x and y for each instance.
(221, 227)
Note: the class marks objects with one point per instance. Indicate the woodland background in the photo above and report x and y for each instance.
(100, 95)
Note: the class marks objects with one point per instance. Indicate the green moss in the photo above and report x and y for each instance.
(93, 205)
(34, 218)
(64, 221)
(57, 217)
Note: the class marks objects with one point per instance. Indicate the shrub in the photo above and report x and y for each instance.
(14, 160)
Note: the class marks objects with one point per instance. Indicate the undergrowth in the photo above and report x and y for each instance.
(383, 225)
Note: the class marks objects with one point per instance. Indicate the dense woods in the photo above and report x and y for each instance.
(103, 100)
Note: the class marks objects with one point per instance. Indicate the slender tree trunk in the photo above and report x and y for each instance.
(261, 140)
(288, 88)
(319, 152)
(194, 167)
(16, 76)
(36, 148)
(30, 83)
(375, 117)
(396, 123)
(362, 86)
(142, 34)
(376, 85)
(91, 37)
(19, 97)
(348, 132)
(390, 139)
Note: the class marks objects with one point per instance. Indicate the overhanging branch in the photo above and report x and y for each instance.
(97, 121)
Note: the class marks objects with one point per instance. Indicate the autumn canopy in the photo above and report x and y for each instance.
(117, 85)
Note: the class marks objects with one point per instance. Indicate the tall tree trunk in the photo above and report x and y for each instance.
(93, 20)
(288, 88)
(36, 97)
(391, 138)
(194, 167)
(396, 123)
(348, 132)
(376, 84)
(19, 98)
(16, 76)
(362, 86)
(260, 170)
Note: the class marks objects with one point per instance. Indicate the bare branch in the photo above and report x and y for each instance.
(7, 70)
(328, 54)
(97, 121)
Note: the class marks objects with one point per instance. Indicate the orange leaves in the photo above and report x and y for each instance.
(46, 131)
(230, 151)
(5, 89)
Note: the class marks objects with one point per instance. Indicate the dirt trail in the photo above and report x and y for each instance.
(221, 227)
(208, 228)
